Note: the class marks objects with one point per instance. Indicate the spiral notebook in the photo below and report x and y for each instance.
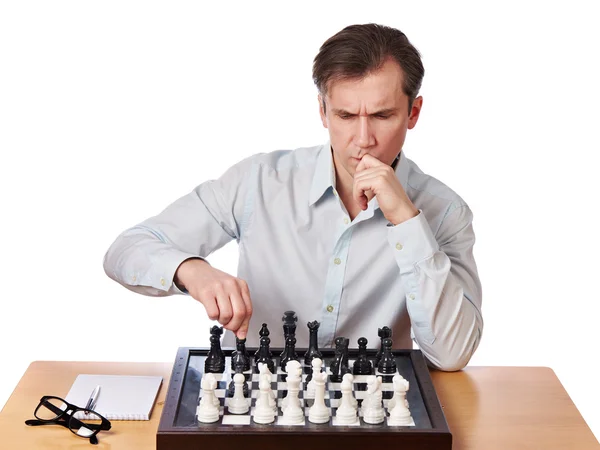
(122, 397)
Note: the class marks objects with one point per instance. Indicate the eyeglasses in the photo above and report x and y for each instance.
(83, 422)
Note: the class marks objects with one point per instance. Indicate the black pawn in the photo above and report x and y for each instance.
(388, 361)
(337, 367)
(290, 351)
(240, 355)
(215, 360)
(383, 333)
(263, 354)
(362, 365)
(238, 368)
(313, 349)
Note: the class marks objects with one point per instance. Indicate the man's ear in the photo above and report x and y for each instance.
(322, 110)
(414, 112)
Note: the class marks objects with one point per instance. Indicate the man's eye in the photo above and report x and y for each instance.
(345, 116)
(382, 116)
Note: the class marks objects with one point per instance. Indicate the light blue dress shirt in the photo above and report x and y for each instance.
(299, 250)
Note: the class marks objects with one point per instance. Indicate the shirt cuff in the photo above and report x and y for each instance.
(412, 241)
(166, 266)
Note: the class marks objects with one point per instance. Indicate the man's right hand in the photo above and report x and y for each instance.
(225, 298)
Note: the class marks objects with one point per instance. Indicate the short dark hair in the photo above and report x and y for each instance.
(358, 50)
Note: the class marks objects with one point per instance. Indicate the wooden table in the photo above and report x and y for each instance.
(486, 408)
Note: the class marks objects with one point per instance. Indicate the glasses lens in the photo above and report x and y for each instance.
(85, 423)
(50, 409)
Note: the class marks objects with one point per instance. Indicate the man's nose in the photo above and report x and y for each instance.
(364, 137)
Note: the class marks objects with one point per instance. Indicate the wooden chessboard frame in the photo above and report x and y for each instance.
(219, 436)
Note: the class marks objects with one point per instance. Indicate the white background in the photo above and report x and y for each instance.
(111, 110)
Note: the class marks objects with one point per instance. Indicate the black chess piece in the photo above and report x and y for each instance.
(240, 355)
(238, 368)
(387, 364)
(290, 351)
(263, 354)
(337, 367)
(313, 346)
(345, 359)
(215, 360)
(362, 365)
(289, 329)
(385, 332)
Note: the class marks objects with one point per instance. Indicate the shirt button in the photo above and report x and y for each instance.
(329, 308)
(398, 246)
(338, 261)
(346, 220)
(133, 278)
(162, 281)
(411, 296)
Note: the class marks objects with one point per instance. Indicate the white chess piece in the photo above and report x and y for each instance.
(316, 364)
(238, 403)
(207, 411)
(374, 412)
(318, 412)
(350, 378)
(400, 414)
(346, 412)
(392, 403)
(265, 374)
(264, 413)
(294, 370)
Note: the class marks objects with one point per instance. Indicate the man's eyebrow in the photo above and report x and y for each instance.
(376, 113)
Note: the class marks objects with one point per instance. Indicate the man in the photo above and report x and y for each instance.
(351, 233)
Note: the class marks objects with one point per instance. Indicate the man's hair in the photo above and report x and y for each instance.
(359, 50)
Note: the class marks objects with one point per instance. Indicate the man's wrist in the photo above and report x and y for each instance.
(405, 213)
(182, 272)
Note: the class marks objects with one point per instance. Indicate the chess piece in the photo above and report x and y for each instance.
(289, 329)
(337, 367)
(392, 402)
(399, 412)
(238, 404)
(208, 410)
(294, 375)
(291, 404)
(350, 379)
(317, 363)
(387, 364)
(263, 354)
(318, 412)
(362, 365)
(313, 343)
(289, 351)
(383, 333)
(346, 412)
(373, 411)
(263, 413)
(215, 360)
(240, 355)
(266, 375)
(238, 368)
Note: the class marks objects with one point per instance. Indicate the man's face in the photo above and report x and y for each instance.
(368, 116)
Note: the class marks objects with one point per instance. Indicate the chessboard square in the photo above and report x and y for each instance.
(336, 423)
(222, 385)
(387, 386)
(236, 419)
(221, 393)
(281, 386)
(360, 378)
(360, 395)
(335, 403)
(335, 386)
(219, 377)
(254, 393)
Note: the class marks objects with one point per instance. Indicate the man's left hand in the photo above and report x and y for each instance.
(374, 178)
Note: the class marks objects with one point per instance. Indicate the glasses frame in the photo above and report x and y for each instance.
(66, 418)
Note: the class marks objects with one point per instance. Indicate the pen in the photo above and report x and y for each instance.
(91, 404)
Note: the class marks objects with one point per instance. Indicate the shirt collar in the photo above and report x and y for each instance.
(324, 176)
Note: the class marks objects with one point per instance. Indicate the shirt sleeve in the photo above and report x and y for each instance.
(145, 257)
(443, 291)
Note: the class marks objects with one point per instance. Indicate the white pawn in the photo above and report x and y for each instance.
(350, 378)
(294, 373)
(265, 374)
(346, 412)
(400, 414)
(317, 363)
(208, 411)
(397, 379)
(374, 413)
(264, 413)
(238, 404)
(318, 412)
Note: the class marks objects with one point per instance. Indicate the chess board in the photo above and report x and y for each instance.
(179, 427)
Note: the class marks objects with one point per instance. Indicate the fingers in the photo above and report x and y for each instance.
(228, 302)
(243, 330)
(239, 312)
